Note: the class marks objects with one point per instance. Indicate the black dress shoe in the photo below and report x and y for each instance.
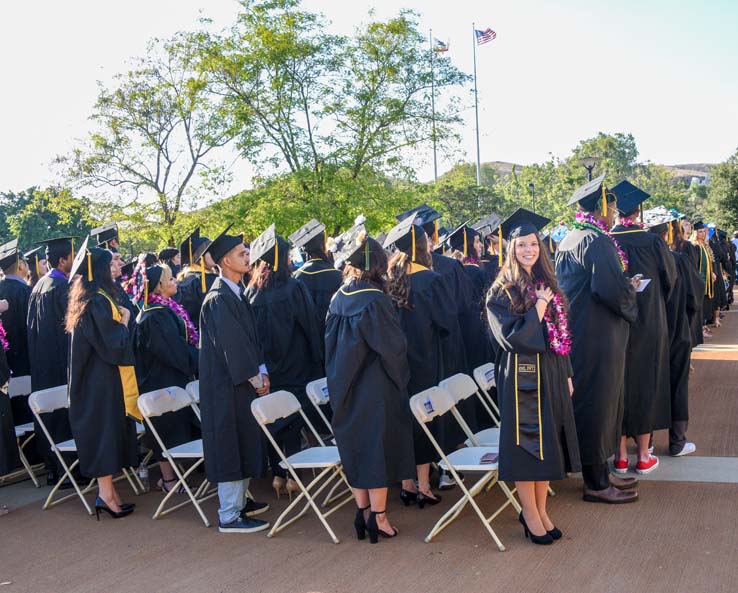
(253, 508)
(623, 483)
(243, 525)
(52, 478)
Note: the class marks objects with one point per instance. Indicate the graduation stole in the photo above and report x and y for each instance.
(704, 253)
(528, 427)
(127, 373)
(304, 271)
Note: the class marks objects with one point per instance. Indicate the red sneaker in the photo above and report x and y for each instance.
(620, 466)
(646, 467)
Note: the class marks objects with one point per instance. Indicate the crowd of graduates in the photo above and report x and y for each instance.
(590, 332)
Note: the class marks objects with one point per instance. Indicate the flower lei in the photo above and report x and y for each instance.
(192, 335)
(4, 338)
(629, 222)
(585, 220)
(559, 338)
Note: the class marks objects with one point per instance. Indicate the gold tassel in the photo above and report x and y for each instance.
(671, 236)
(435, 232)
(604, 200)
(89, 266)
(276, 254)
(37, 271)
(550, 243)
(203, 285)
(412, 233)
(325, 239)
(146, 292)
(499, 246)
(190, 242)
(366, 256)
(464, 231)
(72, 248)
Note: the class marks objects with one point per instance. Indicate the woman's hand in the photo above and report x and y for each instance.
(571, 387)
(3, 306)
(125, 315)
(265, 385)
(545, 293)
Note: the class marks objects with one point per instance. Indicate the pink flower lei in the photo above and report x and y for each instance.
(192, 335)
(629, 222)
(4, 338)
(585, 220)
(559, 338)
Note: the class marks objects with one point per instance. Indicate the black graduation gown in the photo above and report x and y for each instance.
(426, 324)
(721, 261)
(126, 302)
(105, 436)
(647, 386)
(548, 447)
(48, 349)
(164, 358)
(14, 321)
(473, 324)
(706, 267)
(367, 372)
(288, 328)
(490, 265)
(230, 355)
(322, 281)
(696, 285)
(9, 459)
(189, 293)
(680, 342)
(602, 304)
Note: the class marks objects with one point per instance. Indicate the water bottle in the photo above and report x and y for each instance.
(143, 476)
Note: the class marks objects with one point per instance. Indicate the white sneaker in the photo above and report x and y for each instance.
(446, 481)
(688, 449)
(650, 450)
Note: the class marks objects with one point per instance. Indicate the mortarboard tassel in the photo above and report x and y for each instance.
(146, 292)
(641, 214)
(325, 239)
(190, 243)
(604, 200)
(37, 271)
(366, 256)
(203, 285)
(464, 231)
(671, 235)
(499, 247)
(435, 232)
(276, 254)
(72, 248)
(412, 233)
(89, 266)
(550, 243)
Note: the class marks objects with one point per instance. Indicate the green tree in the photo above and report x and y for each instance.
(618, 152)
(722, 198)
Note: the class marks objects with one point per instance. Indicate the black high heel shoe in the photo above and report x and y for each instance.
(541, 540)
(100, 505)
(360, 523)
(375, 531)
(408, 497)
(423, 500)
(555, 533)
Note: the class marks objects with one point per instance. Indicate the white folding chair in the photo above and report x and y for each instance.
(163, 401)
(317, 392)
(281, 404)
(193, 388)
(485, 377)
(24, 433)
(430, 404)
(461, 387)
(44, 402)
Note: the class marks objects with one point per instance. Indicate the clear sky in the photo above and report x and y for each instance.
(559, 71)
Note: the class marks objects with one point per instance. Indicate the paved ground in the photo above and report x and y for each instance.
(682, 536)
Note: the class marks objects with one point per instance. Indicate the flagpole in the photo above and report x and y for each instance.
(476, 103)
(433, 107)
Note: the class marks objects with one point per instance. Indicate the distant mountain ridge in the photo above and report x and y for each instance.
(504, 168)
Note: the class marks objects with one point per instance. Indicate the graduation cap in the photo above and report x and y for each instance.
(698, 224)
(151, 279)
(461, 238)
(425, 216)
(56, 248)
(9, 254)
(591, 195)
(522, 222)
(629, 197)
(442, 236)
(222, 244)
(722, 234)
(128, 268)
(193, 247)
(354, 247)
(487, 225)
(86, 259)
(266, 247)
(104, 234)
(308, 233)
(35, 256)
(167, 253)
(404, 236)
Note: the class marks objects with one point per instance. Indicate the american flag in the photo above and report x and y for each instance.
(484, 36)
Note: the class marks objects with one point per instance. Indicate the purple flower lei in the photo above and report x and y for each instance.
(559, 338)
(192, 335)
(4, 338)
(585, 220)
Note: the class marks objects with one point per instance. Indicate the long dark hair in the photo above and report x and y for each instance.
(263, 276)
(513, 278)
(398, 273)
(83, 291)
(375, 275)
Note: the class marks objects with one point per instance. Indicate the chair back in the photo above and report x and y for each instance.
(193, 388)
(162, 401)
(460, 387)
(317, 391)
(48, 400)
(18, 386)
(430, 404)
(485, 376)
(275, 406)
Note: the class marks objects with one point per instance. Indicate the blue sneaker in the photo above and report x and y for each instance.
(243, 525)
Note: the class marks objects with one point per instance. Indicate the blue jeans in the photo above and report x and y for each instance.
(232, 498)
